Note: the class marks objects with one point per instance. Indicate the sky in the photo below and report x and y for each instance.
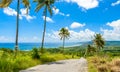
(83, 19)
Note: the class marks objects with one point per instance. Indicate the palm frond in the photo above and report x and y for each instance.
(50, 10)
(64, 33)
(26, 4)
(5, 3)
(39, 6)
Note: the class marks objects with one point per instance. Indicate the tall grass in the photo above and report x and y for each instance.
(103, 64)
(26, 59)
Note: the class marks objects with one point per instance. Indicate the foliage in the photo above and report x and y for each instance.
(99, 41)
(6, 50)
(25, 59)
(10, 64)
(103, 63)
(64, 33)
(35, 54)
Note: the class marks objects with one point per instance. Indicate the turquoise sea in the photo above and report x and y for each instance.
(29, 46)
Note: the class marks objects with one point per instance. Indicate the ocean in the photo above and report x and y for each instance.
(29, 46)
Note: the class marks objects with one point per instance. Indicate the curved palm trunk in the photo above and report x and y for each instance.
(63, 44)
(44, 30)
(17, 27)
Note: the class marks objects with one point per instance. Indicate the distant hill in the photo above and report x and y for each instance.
(107, 43)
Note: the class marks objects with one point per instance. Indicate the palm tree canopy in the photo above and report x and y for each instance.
(6, 3)
(64, 33)
(44, 3)
(99, 41)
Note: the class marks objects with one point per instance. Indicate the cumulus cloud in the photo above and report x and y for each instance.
(115, 3)
(76, 25)
(114, 33)
(57, 11)
(83, 35)
(85, 4)
(24, 14)
(48, 19)
(11, 12)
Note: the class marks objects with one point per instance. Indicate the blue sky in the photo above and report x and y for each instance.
(83, 18)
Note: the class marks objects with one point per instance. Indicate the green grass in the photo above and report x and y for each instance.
(25, 59)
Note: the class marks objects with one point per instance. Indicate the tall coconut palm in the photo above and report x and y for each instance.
(99, 41)
(64, 33)
(6, 3)
(47, 5)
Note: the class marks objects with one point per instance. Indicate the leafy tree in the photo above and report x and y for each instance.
(90, 49)
(47, 5)
(35, 53)
(64, 33)
(6, 3)
(99, 41)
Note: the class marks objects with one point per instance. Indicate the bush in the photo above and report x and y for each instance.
(116, 62)
(115, 69)
(102, 68)
(35, 54)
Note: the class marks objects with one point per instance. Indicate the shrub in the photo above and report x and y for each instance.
(115, 69)
(102, 68)
(116, 62)
(35, 54)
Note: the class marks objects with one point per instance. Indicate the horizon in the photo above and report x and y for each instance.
(83, 19)
(57, 42)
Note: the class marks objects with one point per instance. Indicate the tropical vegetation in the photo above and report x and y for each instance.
(6, 3)
(64, 33)
(47, 5)
(100, 58)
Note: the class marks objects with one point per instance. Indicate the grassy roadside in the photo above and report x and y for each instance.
(26, 59)
(103, 63)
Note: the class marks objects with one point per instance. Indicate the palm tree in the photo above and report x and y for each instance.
(99, 41)
(6, 3)
(64, 33)
(48, 5)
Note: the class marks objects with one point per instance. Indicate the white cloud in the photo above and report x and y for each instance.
(84, 35)
(114, 33)
(115, 3)
(48, 19)
(11, 12)
(57, 11)
(24, 14)
(76, 25)
(85, 4)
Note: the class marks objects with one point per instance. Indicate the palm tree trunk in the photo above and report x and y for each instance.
(44, 30)
(17, 27)
(63, 44)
